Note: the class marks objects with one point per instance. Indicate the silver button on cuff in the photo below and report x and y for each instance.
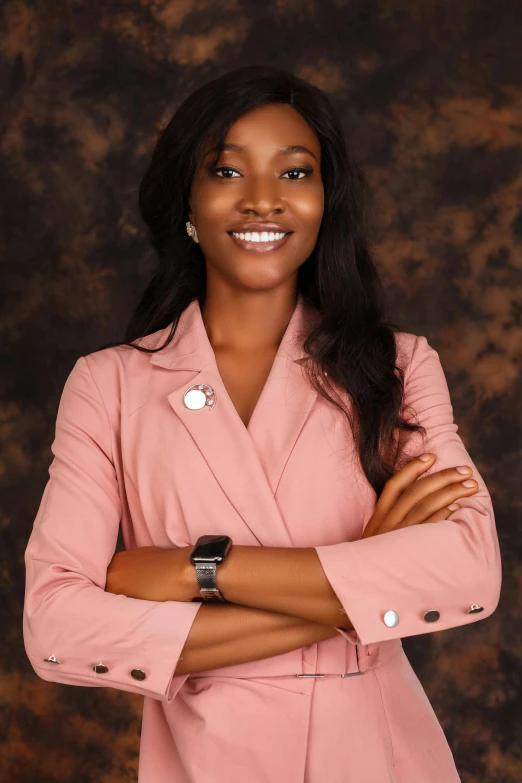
(199, 396)
(100, 668)
(431, 616)
(475, 608)
(391, 619)
(138, 674)
(51, 659)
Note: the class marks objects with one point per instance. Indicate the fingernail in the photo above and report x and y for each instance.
(463, 469)
(453, 506)
(469, 483)
(425, 458)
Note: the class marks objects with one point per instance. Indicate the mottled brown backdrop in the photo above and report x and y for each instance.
(430, 93)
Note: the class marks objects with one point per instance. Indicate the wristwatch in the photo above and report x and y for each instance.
(208, 553)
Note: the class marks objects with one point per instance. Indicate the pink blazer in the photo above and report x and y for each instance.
(127, 449)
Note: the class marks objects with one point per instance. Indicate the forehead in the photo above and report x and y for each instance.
(272, 126)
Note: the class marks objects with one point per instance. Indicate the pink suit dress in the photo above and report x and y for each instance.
(128, 449)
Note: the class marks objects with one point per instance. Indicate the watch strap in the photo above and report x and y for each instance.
(207, 583)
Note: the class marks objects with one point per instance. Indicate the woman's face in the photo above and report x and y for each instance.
(257, 214)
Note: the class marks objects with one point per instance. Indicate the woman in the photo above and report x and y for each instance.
(260, 435)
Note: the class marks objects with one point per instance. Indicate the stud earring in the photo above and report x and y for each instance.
(191, 231)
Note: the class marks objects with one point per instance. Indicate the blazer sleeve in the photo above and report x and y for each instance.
(70, 624)
(451, 566)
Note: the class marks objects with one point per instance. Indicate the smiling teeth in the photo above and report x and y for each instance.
(264, 236)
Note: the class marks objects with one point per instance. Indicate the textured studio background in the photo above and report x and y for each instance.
(431, 97)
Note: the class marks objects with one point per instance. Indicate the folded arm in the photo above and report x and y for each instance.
(83, 624)
(410, 581)
(225, 635)
(277, 579)
(71, 625)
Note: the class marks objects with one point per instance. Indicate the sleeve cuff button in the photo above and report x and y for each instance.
(100, 668)
(391, 619)
(138, 674)
(431, 616)
(475, 608)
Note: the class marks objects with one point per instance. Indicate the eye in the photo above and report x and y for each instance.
(225, 172)
(304, 171)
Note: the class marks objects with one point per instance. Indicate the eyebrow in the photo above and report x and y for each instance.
(291, 150)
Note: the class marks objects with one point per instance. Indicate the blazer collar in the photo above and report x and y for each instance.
(247, 462)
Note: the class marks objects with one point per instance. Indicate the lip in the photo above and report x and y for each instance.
(260, 247)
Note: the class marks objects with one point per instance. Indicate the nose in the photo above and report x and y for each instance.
(262, 197)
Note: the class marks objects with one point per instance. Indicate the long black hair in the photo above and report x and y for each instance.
(352, 342)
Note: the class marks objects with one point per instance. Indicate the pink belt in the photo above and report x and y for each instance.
(327, 658)
(338, 656)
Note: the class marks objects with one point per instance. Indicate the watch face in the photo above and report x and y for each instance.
(211, 549)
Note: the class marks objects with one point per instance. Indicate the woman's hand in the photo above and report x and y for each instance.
(409, 500)
(150, 573)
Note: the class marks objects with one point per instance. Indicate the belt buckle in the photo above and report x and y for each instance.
(348, 674)
(357, 673)
(309, 675)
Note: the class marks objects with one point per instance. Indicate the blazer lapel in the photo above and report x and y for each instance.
(247, 462)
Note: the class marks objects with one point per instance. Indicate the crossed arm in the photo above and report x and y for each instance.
(279, 599)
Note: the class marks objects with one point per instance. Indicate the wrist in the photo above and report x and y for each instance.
(188, 575)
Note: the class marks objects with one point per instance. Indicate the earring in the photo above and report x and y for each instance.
(191, 231)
